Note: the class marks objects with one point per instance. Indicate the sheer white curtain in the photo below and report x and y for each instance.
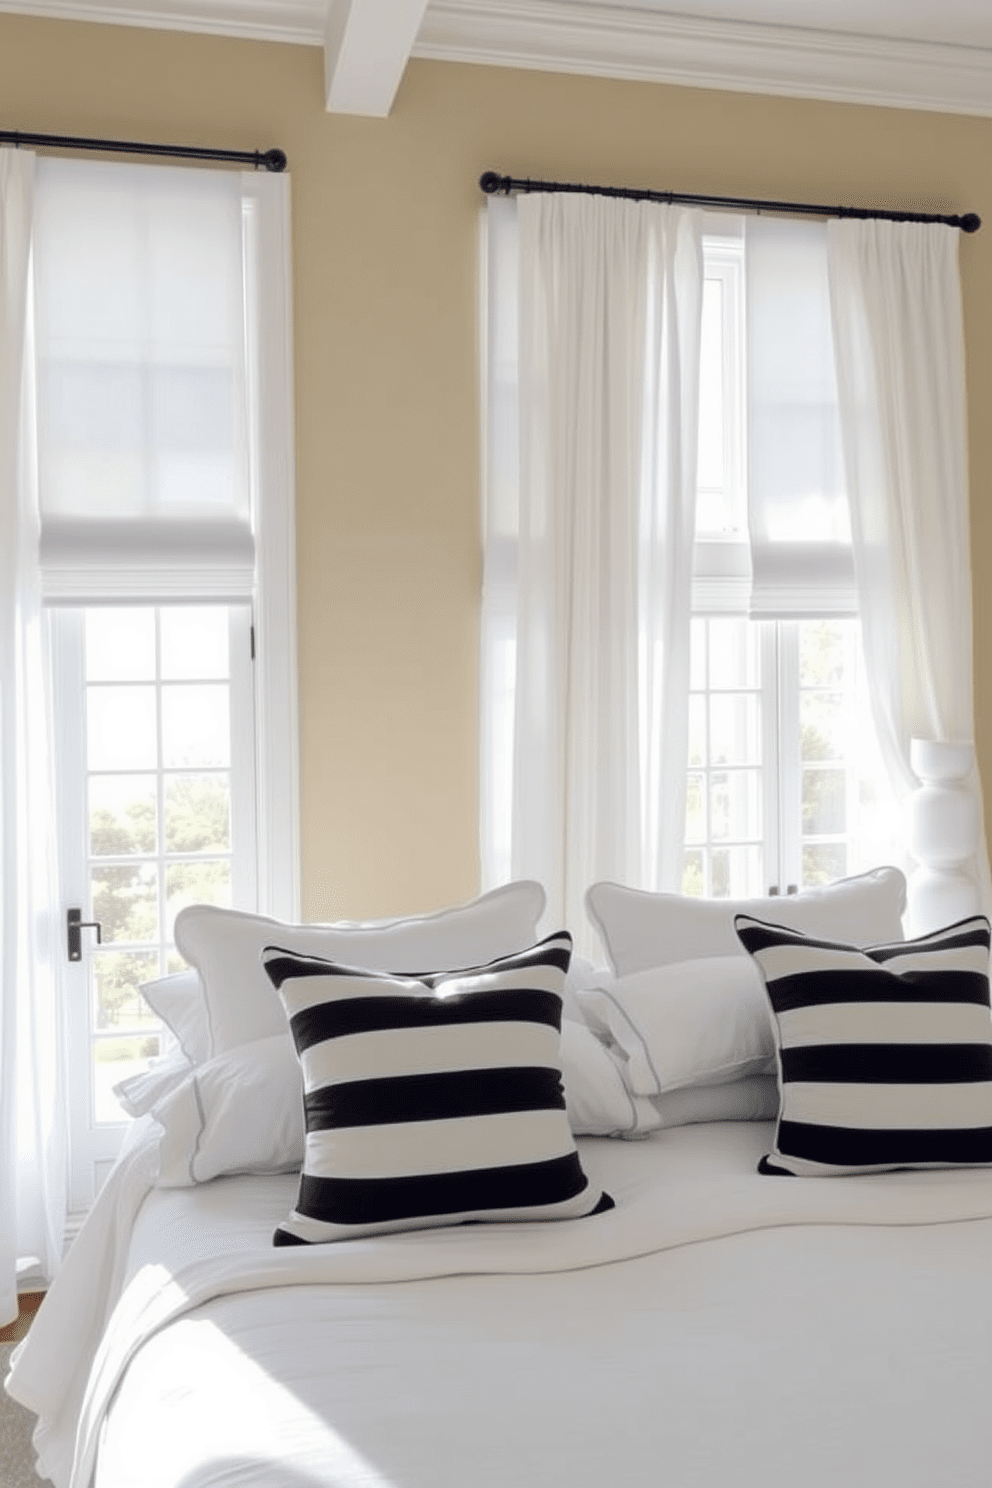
(592, 435)
(899, 346)
(32, 1127)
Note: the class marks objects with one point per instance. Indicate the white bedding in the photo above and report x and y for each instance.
(717, 1327)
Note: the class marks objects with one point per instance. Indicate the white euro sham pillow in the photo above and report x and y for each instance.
(701, 1022)
(178, 1000)
(240, 1112)
(639, 929)
(225, 945)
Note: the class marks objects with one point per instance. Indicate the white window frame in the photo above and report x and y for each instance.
(272, 596)
(94, 1143)
(277, 808)
(273, 593)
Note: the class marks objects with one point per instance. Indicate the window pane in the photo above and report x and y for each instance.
(823, 862)
(120, 645)
(697, 654)
(735, 729)
(196, 727)
(125, 901)
(122, 815)
(118, 975)
(697, 731)
(204, 882)
(824, 802)
(735, 872)
(121, 731)
(734, 657)
(197, 813)
(692, 873)
(825, 652)
(695, 809)
(823, 720)
(735, 805)
(194, 642)
(114, 1060)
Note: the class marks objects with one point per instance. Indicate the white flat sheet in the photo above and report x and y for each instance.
(829, 1325)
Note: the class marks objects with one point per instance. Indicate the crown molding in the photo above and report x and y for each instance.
(300, 22)
(603, 40)
(649, 46)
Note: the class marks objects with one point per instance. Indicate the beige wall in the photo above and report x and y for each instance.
(385, 218)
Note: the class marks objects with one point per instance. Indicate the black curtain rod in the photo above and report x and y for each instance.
(270, 160)
(491, 183)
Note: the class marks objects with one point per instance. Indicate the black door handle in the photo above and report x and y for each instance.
(74, 924)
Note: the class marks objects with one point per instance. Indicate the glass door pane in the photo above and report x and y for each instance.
(156, 801)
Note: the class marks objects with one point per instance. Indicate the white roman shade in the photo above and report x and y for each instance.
(145, 373)
(798, 519)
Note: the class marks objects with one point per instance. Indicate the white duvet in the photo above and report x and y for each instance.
(716, 1327)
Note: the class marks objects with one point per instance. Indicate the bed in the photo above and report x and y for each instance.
(715, 1324)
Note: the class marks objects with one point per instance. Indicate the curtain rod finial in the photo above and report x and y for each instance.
(970, 222)
(273, 160)
(490, 182)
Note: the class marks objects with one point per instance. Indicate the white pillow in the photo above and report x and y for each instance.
(242, 1112)
(582, 973)
(178, 1000)
(240, 1006)
(138, 1093)
(640, 929)
(596, 1098)
(753, 1099)
(703, 1022)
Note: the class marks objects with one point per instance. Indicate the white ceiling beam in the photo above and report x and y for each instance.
(367, 45)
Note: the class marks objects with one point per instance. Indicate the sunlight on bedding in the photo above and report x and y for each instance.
(256, 1427)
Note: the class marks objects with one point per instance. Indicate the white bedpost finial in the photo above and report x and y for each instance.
(943, 835)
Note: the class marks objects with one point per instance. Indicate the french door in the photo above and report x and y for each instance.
(156, 791)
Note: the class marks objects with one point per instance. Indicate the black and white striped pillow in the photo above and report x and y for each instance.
(431, 1100)
(884, 1054)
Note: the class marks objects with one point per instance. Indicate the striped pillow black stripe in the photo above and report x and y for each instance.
(884, 1053)
(431, 1099)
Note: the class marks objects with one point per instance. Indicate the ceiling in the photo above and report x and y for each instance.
(923, 54)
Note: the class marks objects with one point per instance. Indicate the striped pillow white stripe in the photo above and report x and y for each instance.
(431, 1100)
(884, 1054)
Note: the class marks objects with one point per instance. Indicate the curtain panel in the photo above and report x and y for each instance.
(590, 527)
(32, 1119)
(899, 347)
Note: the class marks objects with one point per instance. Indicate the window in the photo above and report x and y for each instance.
(785, 787)
(164, 439)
